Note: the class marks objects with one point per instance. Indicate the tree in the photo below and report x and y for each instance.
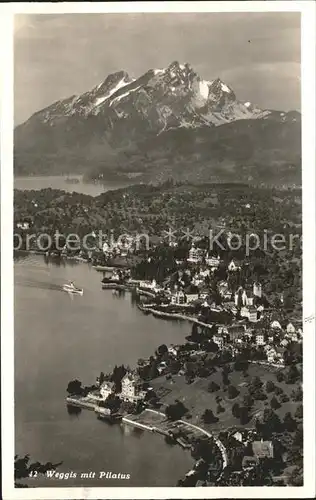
(220, 409)
(208, 417)
(176, 411)
(225, 378)
(112, 402)
(247, 401)
(280, 376)
(289, 423)
(232, 392)
(274, 403)
(284, 398)
(75, 388)
(256, 383)
(118, 373)
(297, 477)
(213, 387)
(204, 449)
(292, 374)
(299, 412)
(297, 394)
(278, 390)
(271, 422)
(24, 469)
(162, 349)
(244, 415)
(270, 386)
(241, 365)
(175, 367)
(257, 393)
(236, 410)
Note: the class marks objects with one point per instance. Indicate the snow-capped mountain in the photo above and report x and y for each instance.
(121, 113)
(172, 97)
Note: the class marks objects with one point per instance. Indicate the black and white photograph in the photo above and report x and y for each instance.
(157, 177)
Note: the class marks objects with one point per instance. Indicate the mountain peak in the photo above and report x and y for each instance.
(113, 79)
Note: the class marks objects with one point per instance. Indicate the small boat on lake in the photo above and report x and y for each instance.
(71, 288)
(72, 180)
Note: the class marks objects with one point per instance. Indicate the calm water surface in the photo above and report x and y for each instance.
(60, 337)
(59, 182)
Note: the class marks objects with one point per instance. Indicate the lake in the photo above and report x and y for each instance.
(59, 182)
(59, 337)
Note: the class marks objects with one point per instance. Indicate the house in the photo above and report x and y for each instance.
(131, 388)
(151, 286)
(204, 294)
(116, 276)
(192, 293)
(249, 312)
(257, 290)
(238, 436)
(271, 355)
(284, 342)
(162, 367)
(244, 312)
(247, 298)
(178, 298)
(173, 350)
(260, 339)
(293, 337)
(23, 225)
(232, 266)
(249, 462)
(235, 332)
(106, 389)
(212, 261)
(195, 254)
(262, 449)
(223, 288)
(280, 354)
(276, 324)
(230, 306)
(198, 280)
(219, 340)
(290, 328)
(244, 297)
(204, 273)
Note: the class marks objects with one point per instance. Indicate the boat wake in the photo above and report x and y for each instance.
(42, 285)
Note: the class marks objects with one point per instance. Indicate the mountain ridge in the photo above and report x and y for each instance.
(103, 128)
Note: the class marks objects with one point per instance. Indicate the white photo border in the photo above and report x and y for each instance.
(308, 15)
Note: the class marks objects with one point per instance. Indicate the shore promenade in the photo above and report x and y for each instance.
(155, 421)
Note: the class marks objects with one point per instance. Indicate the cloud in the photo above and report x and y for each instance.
(60, 55)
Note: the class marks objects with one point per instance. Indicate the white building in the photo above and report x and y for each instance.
(247, 297)
(219, 340)
(195, 254)
(249, 312)
(213, 262)
(232, 266)
(191, 297)
(131, 388)
(290, 328)
(23, 225)
(260, 339)
(257, 290)
(178, 298)
(106, 389)
(275, 324)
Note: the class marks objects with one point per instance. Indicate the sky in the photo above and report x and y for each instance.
(56, 56)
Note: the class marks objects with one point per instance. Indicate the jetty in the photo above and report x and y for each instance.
(172, 315)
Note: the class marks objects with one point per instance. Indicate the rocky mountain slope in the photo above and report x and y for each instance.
(150, 126)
